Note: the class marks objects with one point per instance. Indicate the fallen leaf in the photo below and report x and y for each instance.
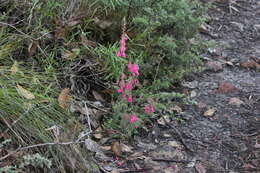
(229, 63)
(166, 135)
(186, 92)
(201, 105)
(192, 163)
(200, 168)
(115, 171)
(25, 93)
(177, 108)
(250, 64)
(103, 24)
(136, 156)
(87, 42)
(106, 148)
(206, 58)
(210, 112)
(174, 144)
(61, 32)
(32, 48)
(73, 22)
(257, 145)
(146, 146)
(137, 166)
(92, 146)
(126, 148)
(97, 96)
(167, 119)
(204, 28)
(192, 85)
(226, 87)
(172, 169)
(257, 26)
(193, 94)
(70, 55)
(98, 133)
(116, 148)
(64, 98)
(235, 101)
(28, 105)
(14, 68)
(248, 166)
(161, 121)
(238, 25)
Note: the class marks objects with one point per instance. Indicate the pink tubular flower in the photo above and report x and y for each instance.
(133, 119)
(133, 68)
(149, 109)
(152, 108)
(121, 52)
(130, 99)
(129, 86)
(121, 90)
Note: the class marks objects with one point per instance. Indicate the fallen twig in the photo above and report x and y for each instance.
(171, 160)
(137, 170)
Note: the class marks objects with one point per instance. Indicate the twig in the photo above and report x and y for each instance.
(87, 111)
(103, 110)
(50, 143)
(171, 160)
(137, 170)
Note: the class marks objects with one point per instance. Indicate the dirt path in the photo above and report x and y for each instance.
(221, 132)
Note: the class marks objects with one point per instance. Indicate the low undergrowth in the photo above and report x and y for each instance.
(127, 51)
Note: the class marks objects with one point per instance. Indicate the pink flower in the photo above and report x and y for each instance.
(133, 68)
(129, 86)
(121, 90)
(133, 118)
(130, 99)
(152, 108)
(121, 52)
(149, 108)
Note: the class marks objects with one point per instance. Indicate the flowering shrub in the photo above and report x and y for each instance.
(128, 82)
(163, 48)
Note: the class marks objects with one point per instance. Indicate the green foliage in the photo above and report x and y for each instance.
(10, 169)
(35, 160)
(5, 142)
(162, 35)
(109, 61)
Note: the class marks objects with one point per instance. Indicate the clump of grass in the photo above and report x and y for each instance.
(26, 121)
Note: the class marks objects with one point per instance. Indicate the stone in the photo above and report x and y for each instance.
(214, 66)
